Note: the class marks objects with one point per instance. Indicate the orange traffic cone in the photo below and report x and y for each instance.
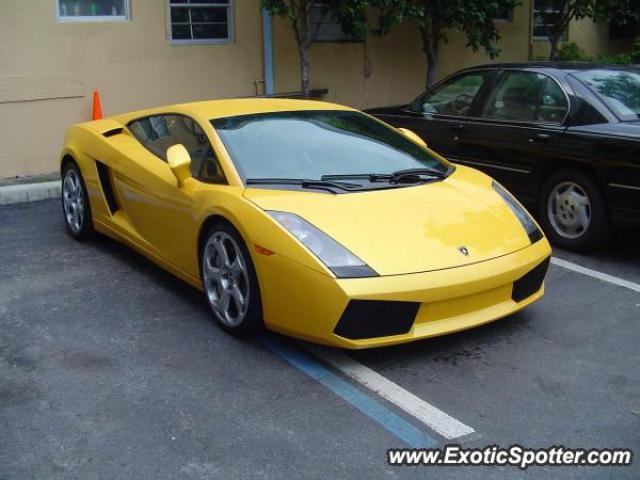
(97, 110)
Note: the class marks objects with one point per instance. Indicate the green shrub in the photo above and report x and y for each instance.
(571, 52)
(627, 58)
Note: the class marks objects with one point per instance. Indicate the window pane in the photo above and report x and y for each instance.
(515, 97)
(179, 15)
(455, 96)
(208, 14)
(619, 90)
(160, 132)
(209, 30)
(546, 16)
(92, 8)
(180, 32)
(553, 104)
(199, 23)
(504, 13)
(309, 144)
(325, 27)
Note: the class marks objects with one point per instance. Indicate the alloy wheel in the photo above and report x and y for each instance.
(73, 200)
(226, 280)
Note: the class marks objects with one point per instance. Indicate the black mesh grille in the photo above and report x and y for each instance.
(529, 283)
(105, 183)
(373, 318)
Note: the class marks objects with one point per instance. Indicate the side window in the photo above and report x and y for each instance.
(159, 132)
(454, 97)
(515, 97)
(586, 114)
(553, 103)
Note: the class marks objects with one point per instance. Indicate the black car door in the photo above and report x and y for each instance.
(518, 124)
(440, 114)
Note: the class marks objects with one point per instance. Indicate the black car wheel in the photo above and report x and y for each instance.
(75, 203)
(573, 212)
(229, 281)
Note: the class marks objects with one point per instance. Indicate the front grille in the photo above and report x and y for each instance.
(530, 283)
(375, 318)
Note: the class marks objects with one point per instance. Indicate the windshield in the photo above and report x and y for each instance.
(311, 143)
(619, 89)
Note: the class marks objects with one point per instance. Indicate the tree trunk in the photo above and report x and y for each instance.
(561, 24)
(553, 51)
(304, 70)
(302, 30)
(430, 47)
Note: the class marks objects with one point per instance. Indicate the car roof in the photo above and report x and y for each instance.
(564, 66)
(210, 109)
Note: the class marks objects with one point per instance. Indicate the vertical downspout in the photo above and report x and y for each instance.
(267, 52)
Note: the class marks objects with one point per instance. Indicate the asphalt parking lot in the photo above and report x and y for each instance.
(112, 368)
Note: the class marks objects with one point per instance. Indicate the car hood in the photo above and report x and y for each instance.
(413, 229)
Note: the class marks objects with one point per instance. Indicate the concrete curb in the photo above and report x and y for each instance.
(29, 192)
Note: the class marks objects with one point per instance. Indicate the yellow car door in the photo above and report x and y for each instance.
(160, 211)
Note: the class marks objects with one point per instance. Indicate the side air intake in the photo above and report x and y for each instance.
(107, 187)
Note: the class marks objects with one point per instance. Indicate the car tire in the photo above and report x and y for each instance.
(229, 281)
(573, 212)
(76, 208)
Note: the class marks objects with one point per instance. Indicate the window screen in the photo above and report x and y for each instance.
(200, 21)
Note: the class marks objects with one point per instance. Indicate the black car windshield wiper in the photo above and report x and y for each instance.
(321, 184)
(410, 175)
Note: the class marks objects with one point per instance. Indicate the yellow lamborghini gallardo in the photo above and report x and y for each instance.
(307, 218)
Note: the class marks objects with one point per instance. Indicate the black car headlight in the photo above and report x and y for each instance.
(337, 258)
(526, 220)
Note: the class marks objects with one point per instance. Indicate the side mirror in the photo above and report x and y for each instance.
(413, 136)
(179, 161)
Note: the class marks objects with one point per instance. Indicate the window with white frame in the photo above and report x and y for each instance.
(93, 10)
(546, 15)
(200, 21)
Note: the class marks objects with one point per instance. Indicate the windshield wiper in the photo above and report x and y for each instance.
(410, 175)
(321, 184)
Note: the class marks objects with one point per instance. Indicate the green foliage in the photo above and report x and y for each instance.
(471, 17)
(279, 8)
(571, 52)
(619, 11)
(626, 58)
(435, 18)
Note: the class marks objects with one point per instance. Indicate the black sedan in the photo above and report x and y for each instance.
(564, 138)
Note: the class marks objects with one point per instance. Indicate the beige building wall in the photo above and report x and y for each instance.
(48, 70)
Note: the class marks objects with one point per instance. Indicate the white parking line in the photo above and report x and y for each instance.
(605, 277)
(434, 418)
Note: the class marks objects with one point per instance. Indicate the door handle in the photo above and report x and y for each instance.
(457, 128)
(540, 137)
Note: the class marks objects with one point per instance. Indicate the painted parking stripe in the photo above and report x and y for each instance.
(401, 428)
(605, 277)
(436, 419)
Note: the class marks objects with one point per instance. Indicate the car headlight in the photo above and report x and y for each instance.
(526, 220)
(338, 259)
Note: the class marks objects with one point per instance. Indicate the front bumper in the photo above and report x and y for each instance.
(300, 302)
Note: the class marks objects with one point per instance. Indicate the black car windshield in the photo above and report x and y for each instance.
(311, 143)
(619, 89)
